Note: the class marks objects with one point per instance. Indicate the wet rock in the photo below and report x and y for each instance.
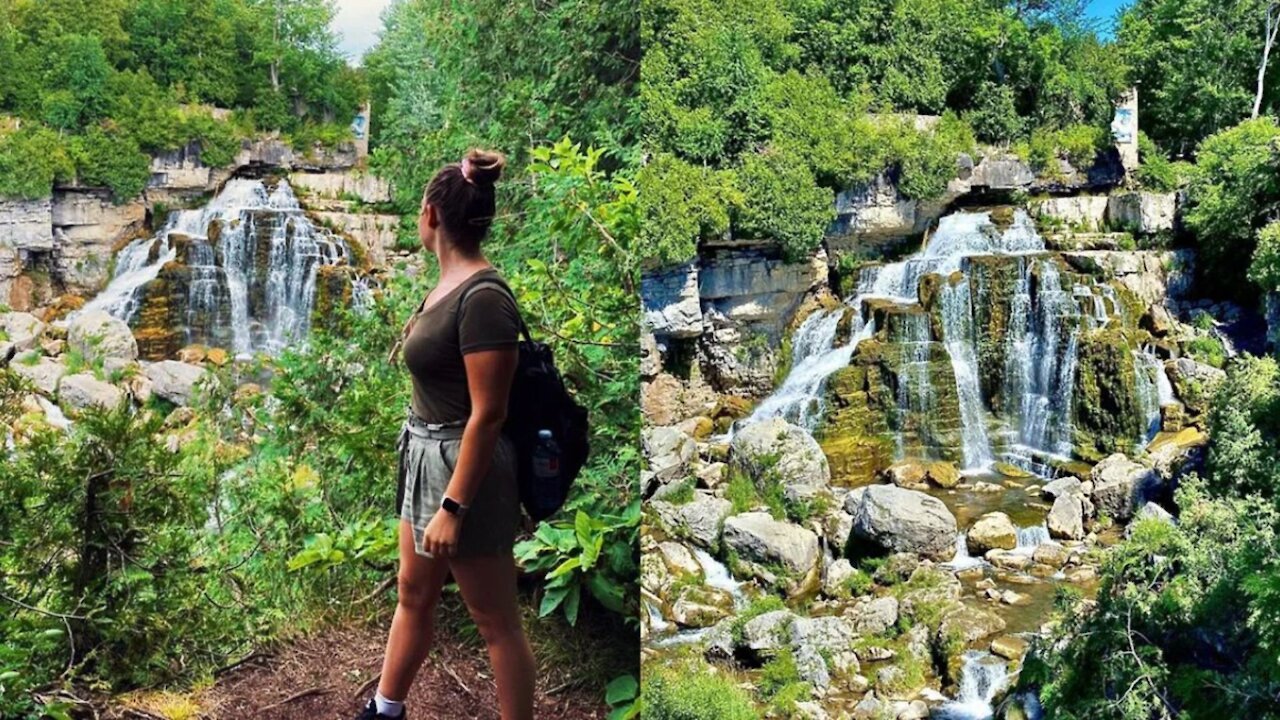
(174, 381)
(699, 520)
(762, 543)
(776, 452)
(1066, 517)
(193, 354)
(1120, 485)
(1009, 647)
(1177, 454)
(1193, 382)
(1006, 560)
(907, 474)
(83, 391)
(96, 335)
(700, 606)
(992, 531)
(901, 520)
(1010, 597)
(698, 428)
(968, 624)
(1051, 554)
(1082, 574)
(1062, 486)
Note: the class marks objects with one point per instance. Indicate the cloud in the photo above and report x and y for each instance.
(357, 24)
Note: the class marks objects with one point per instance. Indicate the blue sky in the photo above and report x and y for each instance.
(1105, 11)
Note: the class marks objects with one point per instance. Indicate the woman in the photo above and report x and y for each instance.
(458, 500)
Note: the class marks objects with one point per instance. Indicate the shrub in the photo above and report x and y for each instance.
(31, 160)
(1155, 171)
(1209, 350)
(682, 203)
(994, 115)
(693, 695)
(782, 201)
(112, 160)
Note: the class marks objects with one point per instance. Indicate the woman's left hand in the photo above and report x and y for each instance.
(441, 536)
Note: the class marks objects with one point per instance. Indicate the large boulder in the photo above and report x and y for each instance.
(174, 381)
(900, 520)
(774, 451)
(43, 373)
(670, 451)
(83, 391)
(699, 520)
(1194, 383)
(1176, 454)
(765, 544)
(20, 328)
(1066, 517)
(1120, 485)
(992, 531)
(1143, 212)
(96, 335)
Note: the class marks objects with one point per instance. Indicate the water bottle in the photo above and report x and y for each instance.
(546, 469)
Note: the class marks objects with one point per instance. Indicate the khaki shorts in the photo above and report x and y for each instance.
(428, 454)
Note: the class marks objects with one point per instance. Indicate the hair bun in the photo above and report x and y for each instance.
(483, 167)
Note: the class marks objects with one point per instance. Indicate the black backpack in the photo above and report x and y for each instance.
(539, 400)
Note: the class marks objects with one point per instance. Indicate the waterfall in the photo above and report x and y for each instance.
(1040, 360)
(815, 356)
(962, 560)
(957, 334)
(716, 575)
(982, 677)
(1030, 538)
(252, 256)
(914, 394)
(1153, 390)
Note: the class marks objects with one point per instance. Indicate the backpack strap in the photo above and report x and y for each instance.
(394, 355)
(524, 328)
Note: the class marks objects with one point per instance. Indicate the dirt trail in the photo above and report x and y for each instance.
(318, 678)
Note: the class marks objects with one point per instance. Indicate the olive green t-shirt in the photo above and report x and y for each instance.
(445, 332)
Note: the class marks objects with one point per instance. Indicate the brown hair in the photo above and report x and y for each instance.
(463, 196)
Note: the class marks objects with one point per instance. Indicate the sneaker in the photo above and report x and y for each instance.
(370, 712)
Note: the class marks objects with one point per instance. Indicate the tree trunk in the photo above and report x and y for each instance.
(1269, 39)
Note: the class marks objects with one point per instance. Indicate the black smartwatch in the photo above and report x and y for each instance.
(453, 507)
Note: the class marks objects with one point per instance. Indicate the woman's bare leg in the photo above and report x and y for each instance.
(488, 586)
(411, 628)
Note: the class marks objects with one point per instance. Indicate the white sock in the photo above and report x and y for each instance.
(390, 708)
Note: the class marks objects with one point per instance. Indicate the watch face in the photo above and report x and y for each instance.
(451, 506)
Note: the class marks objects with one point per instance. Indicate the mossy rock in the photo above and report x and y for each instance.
(855, 434)
(1108, 417)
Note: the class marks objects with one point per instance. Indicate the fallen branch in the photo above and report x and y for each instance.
(360, 691)
(242, 661)
(382, 587)
(457, 679)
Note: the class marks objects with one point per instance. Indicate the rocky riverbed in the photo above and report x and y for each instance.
(881, 494)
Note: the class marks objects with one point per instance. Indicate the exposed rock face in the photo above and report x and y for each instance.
(21, 329)
(368, 188)
(700, 520)
(754, 287)
(375, 233)
(671, 305)
(775, 451)
(1077, 212)
(992, 531)
(1143, 212)
(26, 224)
(669, 451)
(1108, 415)
(1120, 485)
(174, 381)
(96, 334)
(89, 226)
(877, 213)
(900, 520)
(1194, 383)
(762, 542)
(82, 391)
(1177, 454)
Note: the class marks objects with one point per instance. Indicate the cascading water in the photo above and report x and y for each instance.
(957, 334)
(1040, 357)
(1154, 391)
(915, 395)
(982, 677)
(249, 262)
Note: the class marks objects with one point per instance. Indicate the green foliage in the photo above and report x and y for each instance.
(1197, 65)
(782, 202)
(1209, 350)
(1265, 268)
(31, 160)
(697, 694)
(1156, 172)
(780, 683)
(1077, 144)
(1233, 192)
(134, 69)
(1245, 425)
(112, 160)
(681, 203)
(501, 75)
